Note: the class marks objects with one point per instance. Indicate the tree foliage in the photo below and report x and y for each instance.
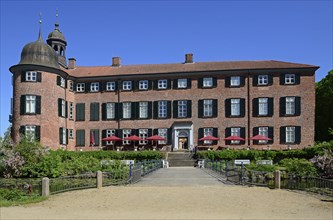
(324, 107)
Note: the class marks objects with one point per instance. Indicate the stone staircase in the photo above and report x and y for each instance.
(180, 159)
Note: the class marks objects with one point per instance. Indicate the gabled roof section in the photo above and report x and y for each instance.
(98, 71)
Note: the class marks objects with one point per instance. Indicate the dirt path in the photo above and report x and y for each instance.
(175, 202)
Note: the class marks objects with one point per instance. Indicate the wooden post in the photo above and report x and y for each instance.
(277, 179)
(45, 186)
(99, 179)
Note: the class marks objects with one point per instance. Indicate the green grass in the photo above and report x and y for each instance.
(22, 201)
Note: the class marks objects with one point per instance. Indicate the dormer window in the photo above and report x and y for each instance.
(162, 84)
(80, 87)
(289, 79)
(110, 86)
(207, 82)
(94, 87)
(31, 76)
(263, 80)
(127, 85)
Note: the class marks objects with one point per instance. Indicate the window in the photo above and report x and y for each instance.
(71, 110)
(264, 132)
(208, 132)
(62, 136)
(263, 106)
(263, 80)
(80, 87)
(162, 84)
(94, 87)
(207, 82)
(143, 84)
(127, 85)
(110, 86)
(30, 132)
(182, 83)
(208, 108)
(80, 138)
(94, 111)
(31, 76)
(71, 133)
(235, 107)
(163, 132)
(62, 82)
(290, 105)
(110, 110)
(162, 109)
(80, 112)
(235, 132)
(62, 108)
(94, 137)
(30, 104)
(143, 133)
(235, 81)
(290, 134)
(289, 79)
(71, 86)
(126, 133)
(143, 108)
(110, 133)
(182, 109)
(126, 110)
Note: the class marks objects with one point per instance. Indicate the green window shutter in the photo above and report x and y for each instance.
(270, 107)
(297, 134)
(227, 134)
(38, 104)
(80, 137)
(66, 136)
(255, 132)
(66, 109)
(189, 108)
(215, 108)
(214, 82)
(23, 77)
(80, 112)
(168, 109)
(297, 105)
(37, 133)
(96, 136)
(59, 108)
(22, 104)
(270, 135)
(103, 111)
(155, 110)
(283, 135)
(200, 108)
(189, 83)
(227, 107)
(200, 83)
(60, 136)
(227, 82)
(242, 107)
(39, 77)
(175, 109)
(94, 111)
(255, 107)
(58, 80)
(282, 106)
(150, 111)
(200, 135)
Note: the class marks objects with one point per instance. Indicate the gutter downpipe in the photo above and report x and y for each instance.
(248, 110)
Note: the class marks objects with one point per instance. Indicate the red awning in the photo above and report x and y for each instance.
(155, 138)
(112, 138)
(209, 138)
(133, 138)
(234, 138)
(259, 137)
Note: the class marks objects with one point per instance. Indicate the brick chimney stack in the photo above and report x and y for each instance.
(71, 63)
(189, 58)
(116, 61)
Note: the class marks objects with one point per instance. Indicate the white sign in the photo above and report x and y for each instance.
(240, 162)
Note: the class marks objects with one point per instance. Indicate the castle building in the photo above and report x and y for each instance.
(72, 107)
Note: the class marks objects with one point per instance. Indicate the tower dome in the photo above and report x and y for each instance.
(56, 35)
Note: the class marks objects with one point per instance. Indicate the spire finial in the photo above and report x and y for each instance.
(57, 24)
(40, 26)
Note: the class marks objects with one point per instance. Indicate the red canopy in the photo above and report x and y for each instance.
(234, 138)
(133, 138)
(209, 138)
(92, 139)
(259, 137)
(112, 138)
(155, 138)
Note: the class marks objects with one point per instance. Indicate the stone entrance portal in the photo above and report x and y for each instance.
(182, 136)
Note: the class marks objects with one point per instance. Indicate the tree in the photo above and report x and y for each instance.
(324, 107)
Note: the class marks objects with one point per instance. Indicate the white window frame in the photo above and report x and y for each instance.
(127, 85)
(208, 108)
(94, 87)
(264, 132)
(290, 135)
(71, 86)
(143, 109)
(143, 133)
(127, 111)
(71, 133)
(143, 85)
(207, 82)
(263, 80)
(30, 132)
(235, 107)
(62, 82)
(182, 83)
(80, 87)
(30, 104)
(289, 79)
(64, 137)
(235, 81)
(31, 76)
(235, 132)
(71, 110)
(126, 133)
(109, 133)
(263, 106)
(290, 105)
(162, 109)
(208, 132)
(110, 110)
(110, 86)
(163, 132)
(63, 108)
(162, 84)
(182, 109)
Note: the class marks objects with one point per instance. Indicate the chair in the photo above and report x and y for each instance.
(201, 163)
(165, 164)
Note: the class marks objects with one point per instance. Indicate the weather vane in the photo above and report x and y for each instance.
(40, 17)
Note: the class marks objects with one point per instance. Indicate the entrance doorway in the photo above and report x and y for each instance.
(182, 136)
(183, 143)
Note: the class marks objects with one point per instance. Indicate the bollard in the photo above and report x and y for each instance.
(277, 179)
(226, 168)
(131, 167)
(45, 186)
(99, 179)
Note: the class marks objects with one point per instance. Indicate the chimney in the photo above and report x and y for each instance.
(189, 58)
(71, 63)
(116, 61)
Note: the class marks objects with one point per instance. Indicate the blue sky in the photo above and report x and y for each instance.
(147, 32)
